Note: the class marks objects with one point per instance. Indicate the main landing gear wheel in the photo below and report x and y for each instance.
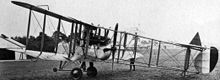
(91, 71)
(76, 73)
(55, 69)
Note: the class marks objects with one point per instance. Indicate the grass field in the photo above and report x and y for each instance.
(42, 70)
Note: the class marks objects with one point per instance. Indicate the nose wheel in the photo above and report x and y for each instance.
(76, 73)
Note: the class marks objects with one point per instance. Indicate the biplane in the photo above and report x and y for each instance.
(88, 44)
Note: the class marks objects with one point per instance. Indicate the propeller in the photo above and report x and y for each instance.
(80, 31)
(114, 44)
(106, 33)
(99, 32)
(124, 45)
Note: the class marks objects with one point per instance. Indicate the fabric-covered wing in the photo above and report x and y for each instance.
(44, 55)
(43, 11)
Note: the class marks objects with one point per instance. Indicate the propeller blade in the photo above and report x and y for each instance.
(96, 32)
(99, 32)
(114, 43)
(115, 35)
(124, 45)
(80, 30)
(106, 33)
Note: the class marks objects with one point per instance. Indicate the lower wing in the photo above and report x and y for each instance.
(44, 55)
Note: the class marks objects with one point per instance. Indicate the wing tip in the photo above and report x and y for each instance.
(3, 36)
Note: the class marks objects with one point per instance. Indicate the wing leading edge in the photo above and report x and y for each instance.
(47, 12)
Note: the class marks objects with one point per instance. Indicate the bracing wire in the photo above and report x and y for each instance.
(63, 28)
(35, 28)
(192, 60)
(51, 24)
(173, 56)
(175, 61)
(37, 20)
(49, 17)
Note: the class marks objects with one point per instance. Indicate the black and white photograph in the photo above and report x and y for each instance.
(109, 39)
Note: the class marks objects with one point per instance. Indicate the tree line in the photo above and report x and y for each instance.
(34, 43)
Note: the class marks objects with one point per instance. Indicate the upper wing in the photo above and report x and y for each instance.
(191, 46)
(194, 44)
(43, 11)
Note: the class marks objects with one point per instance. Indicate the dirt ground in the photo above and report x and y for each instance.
(42, 70)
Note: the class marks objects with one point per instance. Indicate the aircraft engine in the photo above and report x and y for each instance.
(206, 61)
(104, 55)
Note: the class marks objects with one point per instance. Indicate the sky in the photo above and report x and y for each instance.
(167, 20)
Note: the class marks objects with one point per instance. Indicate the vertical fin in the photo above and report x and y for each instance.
(196, 40)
